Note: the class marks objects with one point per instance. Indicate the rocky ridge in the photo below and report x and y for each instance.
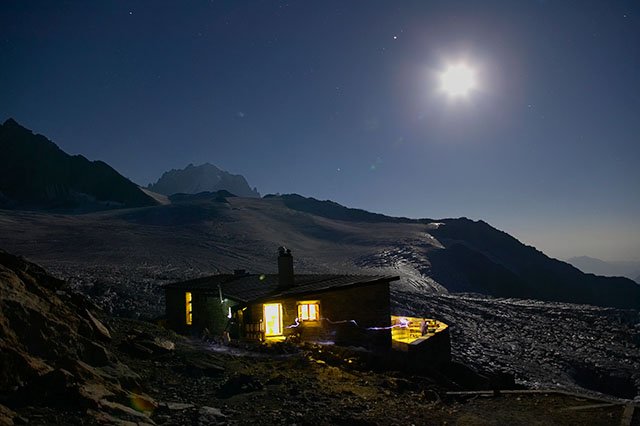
(36, 174)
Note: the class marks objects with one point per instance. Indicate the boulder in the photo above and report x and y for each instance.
(164, 344)
(158, 346)
(58, 388)
(210, 415)
(122, 411)
(6, 416)
(95, 354)
(100, 330)
(135, 349)
(199, 367)
(239, 383)
(175, 406)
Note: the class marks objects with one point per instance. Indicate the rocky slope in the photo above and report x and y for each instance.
(36, 174)
(203, 178)
(62, 365)
(492, 262)
(53, 350)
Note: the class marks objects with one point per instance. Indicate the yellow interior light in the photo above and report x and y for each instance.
(308, 311)
(189, 307)
(407, 330)
(272, 319)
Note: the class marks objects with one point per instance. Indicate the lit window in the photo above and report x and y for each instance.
(189, 307)
(308, 311)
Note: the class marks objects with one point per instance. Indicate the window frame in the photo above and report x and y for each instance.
(308, 303)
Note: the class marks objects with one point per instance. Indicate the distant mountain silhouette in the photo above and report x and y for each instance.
(475, 257)
(333, 210)
(489, 261)
(202, 178)
(35, 173)
(591, 265)
(629, 269)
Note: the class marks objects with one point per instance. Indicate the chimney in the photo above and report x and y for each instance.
(285, 268)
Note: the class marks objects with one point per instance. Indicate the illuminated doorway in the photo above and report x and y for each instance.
(272, 319)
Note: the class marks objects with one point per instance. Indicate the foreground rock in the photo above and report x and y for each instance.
(53, 353)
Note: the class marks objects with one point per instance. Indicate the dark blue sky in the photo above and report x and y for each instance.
(339, 100)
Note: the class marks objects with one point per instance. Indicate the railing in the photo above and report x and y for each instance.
(408, 329)
(254, 331)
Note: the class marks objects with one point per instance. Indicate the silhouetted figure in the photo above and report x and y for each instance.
(424, 327)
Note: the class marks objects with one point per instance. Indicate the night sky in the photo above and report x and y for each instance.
(340, 100)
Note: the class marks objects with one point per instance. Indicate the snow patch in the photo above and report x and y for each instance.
(435, 225)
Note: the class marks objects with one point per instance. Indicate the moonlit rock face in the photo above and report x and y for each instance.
(458, 80)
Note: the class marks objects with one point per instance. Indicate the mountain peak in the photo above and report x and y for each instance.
(202, 178)
(11, 123)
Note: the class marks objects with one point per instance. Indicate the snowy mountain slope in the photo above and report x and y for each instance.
(205, 235)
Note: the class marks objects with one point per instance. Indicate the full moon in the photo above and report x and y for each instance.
(458, 80)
